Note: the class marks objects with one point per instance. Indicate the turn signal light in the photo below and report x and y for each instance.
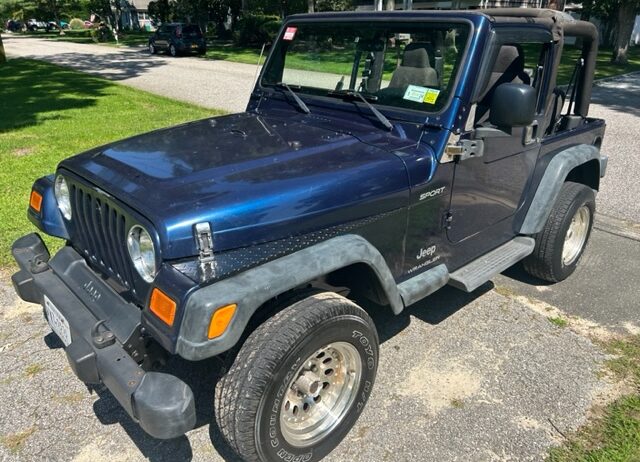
(35, 201)
(162, 306)
(220, 320)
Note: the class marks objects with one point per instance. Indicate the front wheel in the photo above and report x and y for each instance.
(564, 237)
(172, 50)
(152, 49)
(300, 381)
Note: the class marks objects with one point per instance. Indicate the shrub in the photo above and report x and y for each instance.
(76, 24)
(256, 29)
(102, 33)
(79, 33)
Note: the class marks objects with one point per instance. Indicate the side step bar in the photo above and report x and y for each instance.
(479, 271)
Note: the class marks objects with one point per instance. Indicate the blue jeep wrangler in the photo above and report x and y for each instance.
(381, 157)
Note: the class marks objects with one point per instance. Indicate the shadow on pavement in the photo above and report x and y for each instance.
(112, 66)
(621, 94)
(433, 310)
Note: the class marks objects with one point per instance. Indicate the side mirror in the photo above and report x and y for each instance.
(513, 105)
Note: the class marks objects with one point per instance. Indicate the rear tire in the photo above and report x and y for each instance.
(172, 50)
(561, 243)
(322, 348)
(152, 49)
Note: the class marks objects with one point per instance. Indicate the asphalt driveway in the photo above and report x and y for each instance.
(212, 84)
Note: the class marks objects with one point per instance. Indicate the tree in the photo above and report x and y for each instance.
(617, 17)
(627, 10)
(160, 10)
(3, 57)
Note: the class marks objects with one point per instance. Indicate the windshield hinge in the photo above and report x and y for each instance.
(206, 260)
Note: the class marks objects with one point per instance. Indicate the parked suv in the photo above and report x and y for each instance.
(178, 38)
(381, 157)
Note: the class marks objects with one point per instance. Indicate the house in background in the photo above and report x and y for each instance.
(135, 15)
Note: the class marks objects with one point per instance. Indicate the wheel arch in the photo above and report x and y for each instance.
(581, 164)
(347, 259)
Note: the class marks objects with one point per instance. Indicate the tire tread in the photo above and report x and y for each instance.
(257, 362)
(540, 263)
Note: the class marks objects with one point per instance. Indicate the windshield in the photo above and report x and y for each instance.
(409, 65)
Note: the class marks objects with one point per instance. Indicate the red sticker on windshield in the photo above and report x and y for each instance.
(290, 33)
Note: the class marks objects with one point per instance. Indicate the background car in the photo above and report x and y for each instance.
(178, 38)
(34, 25)
(13, 25)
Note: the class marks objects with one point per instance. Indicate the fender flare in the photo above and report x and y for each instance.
(551, 183)
(252, 288)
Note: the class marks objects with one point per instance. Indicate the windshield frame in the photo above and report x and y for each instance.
(393, 112)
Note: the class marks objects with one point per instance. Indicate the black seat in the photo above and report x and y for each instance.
(508, 68)
(415, 68)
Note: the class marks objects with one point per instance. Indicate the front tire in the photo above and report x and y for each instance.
(152, 49)
(322, 349)
(564, 237)
(172, 50)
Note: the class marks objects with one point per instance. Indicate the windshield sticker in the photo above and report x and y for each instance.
(290, 33)
(415, 93)
(419, 94)
(431, 96)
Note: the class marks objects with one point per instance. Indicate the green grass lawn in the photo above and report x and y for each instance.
(604, 66)
(49, 113)
(129, 38)
(613, 436)
(333, 62)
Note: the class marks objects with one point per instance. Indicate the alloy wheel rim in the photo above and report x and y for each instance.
(320, 394)
(576, 236)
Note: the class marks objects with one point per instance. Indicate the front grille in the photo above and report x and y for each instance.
(100, 234)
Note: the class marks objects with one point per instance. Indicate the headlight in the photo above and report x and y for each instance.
(61, 191)
(142, 252)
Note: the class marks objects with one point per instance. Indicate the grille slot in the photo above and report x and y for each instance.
(100, 234)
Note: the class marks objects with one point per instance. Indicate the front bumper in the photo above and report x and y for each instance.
(100, 323)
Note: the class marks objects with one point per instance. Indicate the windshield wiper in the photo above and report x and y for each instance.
(295, 97)
(356, 94)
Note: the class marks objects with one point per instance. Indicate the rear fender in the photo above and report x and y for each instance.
(582, 163)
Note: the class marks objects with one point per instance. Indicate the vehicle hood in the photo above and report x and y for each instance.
(254, 178)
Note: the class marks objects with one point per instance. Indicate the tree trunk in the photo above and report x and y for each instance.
(391, 5)
(244, 6)
(3, 57)
(310, 6)
(626, 21)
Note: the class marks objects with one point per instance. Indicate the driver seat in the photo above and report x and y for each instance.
(415, 68)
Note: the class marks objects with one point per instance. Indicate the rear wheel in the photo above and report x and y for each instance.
(152, 49)
(172, 50)
(300, 381)
(561, 243)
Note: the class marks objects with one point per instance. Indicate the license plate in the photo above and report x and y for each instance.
(57, 321)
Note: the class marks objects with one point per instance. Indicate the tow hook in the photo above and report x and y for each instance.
(102, 339)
